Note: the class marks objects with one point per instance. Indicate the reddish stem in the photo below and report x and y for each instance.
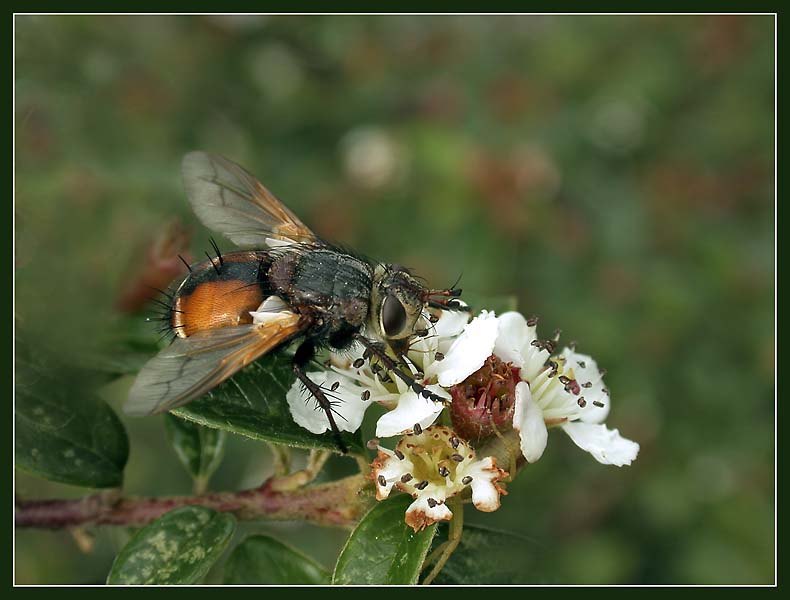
(337, 503)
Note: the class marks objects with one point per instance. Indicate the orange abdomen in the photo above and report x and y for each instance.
(208, 299)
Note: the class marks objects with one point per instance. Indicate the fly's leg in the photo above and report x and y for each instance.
(304, 354)
(390, 364)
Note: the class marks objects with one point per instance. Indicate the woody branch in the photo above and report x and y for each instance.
(331, 504)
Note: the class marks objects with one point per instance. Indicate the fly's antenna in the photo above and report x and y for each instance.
(445, 299)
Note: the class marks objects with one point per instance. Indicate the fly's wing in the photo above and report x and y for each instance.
(191, 366)
(229, 200)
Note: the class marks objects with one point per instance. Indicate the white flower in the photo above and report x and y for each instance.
(569, 393)
(364, 382)
(468, 351)
(308, 414)
(433, 466)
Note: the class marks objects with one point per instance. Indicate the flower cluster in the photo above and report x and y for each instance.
(494, 375)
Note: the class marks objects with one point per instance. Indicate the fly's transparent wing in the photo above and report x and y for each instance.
(191, 366)
(230, 201)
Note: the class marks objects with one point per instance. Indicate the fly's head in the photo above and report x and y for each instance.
(399, 299)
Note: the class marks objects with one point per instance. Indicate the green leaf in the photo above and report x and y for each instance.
(261, 560)
(200, 449)
(383, 550)
(63, 431)
(178, 548)
(488, 557)
(252, 403)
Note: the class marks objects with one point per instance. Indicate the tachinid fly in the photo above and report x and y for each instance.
(234, 308)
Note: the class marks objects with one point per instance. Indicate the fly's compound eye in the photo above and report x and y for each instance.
(393, 316)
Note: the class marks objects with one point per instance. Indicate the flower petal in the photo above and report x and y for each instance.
(271, 309)
(606, 445)
(588, 375)
(451, 323)
(391, 468)
(411, 409)
(485, 491)
(420, 513)
(307, 414)
(528, 421)
(512, 338)
(470, 350)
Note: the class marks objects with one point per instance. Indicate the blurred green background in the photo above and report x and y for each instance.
(615, 174)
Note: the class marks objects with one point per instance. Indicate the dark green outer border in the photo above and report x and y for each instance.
(568, 6)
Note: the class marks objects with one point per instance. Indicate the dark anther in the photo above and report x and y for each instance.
(532, 321)
(467, 480)
(564, 380)
(359, 362)
(421, 332)
(444, 471)
(335, 385)
(422, 485)
(406, 478)
(382, 481)
(431, 502)
(598, 404)
(457, 457)
(587, 385)
(581, 402)
(417, 429)
(454, 441)
(399, 454)
(439, 356)
(433, 318)
(581, 363)
(372, 444)
(365, 395)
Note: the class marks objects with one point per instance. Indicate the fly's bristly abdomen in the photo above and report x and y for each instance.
(220, 294)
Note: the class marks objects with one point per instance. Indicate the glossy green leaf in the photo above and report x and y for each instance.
(383, 550)
(252, 403)
(200, 449)
(262, 560)
(178, 548)
(488, 557)
(63, 431)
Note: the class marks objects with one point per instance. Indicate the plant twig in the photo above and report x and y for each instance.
(337, 503)
(445, 550)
